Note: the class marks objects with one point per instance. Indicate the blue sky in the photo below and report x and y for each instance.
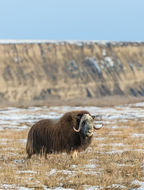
(116, 20)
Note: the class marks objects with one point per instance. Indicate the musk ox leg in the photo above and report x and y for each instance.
(45, 156)
(29, 149)
(43, 152)
(74, 154)
(28, 156)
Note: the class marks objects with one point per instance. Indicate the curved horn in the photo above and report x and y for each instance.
(98, 124)
(97, 127)
(76, 130)
(80, 124)
(96, 116)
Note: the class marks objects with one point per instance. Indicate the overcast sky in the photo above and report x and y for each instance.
(117, 20)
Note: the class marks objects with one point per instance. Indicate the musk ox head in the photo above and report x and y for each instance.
(86, 125)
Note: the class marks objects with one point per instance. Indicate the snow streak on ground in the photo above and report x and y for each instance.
(21, 118)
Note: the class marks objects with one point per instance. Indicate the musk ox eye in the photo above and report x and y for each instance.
(84, 122)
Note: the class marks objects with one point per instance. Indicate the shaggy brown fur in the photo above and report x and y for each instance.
(49, 136)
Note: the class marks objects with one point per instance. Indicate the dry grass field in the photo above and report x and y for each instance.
(114, 161)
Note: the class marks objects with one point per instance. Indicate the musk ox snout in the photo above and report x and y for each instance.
(87, 125)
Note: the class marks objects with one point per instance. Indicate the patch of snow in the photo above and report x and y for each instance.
(61, 188)
(114, 127)
(96, 66)
(137, 135)
(117, 144)
(67, 172)
(116, 151)
(104, 52)
(92, 166)
(25, 188)
(56, 188)
(89, 172)
(73, 166)
(99, 138)
(117, 186)
(113, 145)
(92, 61)
(92, 187)
(8, 186)
(53, 171)
(23, 141)
(1, 128)
(27, 172)
(141, 183)
(62, 42)
(140, 104)
(109, 61)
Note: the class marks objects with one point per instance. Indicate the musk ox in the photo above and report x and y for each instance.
(71, 133)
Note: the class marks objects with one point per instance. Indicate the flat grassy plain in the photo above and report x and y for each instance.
(114, 161)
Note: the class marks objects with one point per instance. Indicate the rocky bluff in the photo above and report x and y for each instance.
(42, 71)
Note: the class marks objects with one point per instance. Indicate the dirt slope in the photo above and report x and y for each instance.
(51, 71)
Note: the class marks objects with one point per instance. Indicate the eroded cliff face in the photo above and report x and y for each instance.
(66, 70)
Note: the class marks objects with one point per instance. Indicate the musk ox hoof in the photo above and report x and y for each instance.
(74, 154)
